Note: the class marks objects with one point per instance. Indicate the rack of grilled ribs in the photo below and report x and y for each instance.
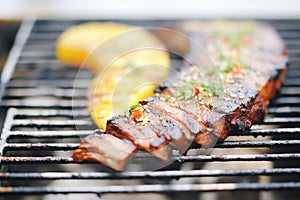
(203, 104)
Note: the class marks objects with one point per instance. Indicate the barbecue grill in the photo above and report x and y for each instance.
(44, 116)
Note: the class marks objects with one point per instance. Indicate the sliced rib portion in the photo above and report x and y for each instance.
(204, 103)
(140, 135)
(167, 127)
(250, 62)
(208, 103)
(105, 148)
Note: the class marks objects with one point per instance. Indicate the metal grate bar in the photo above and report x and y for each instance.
(54, 123)
(38, 47)
(45, 103)
(49, 134)
(51, 82)
(287, 101)
(294, 52)
(242, 157)
(151, 188)
(257, 143)
(292, 42)
(46, 91)
(43, 67)
(289, 34)
(39, 61)
(52, 27)
(284, 110)
(44, 36)
(282, 120)
(76, 133)
(273, 131)
(174, 174)
(291, 91)
(227, 144)
(41, 146)
(51, 112)
(178, 159)
(21, 38)
(33, 54)
(69, 73)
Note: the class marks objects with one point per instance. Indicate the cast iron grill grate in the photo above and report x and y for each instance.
(39, 133)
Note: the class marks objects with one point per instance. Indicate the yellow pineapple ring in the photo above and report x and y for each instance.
(128, 62)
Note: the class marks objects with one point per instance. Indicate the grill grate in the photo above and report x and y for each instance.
(39, 132)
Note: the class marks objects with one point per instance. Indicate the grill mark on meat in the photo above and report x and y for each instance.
(141, 136)
(95, 148)
(212, 118)
(187, 122)
(245, 104)
(268, 65)
(167, 127)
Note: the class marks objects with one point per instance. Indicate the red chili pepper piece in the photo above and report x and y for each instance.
(225, 39)
(248, 39)
(237, 69)
(196, 91)
(136, 113)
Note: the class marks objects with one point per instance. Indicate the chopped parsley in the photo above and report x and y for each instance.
(229, 68)
(230, 63)
(186, 91)
(258, 85)
(214, 88)
(168, 98)
(211, 71)
(225, 58)
(238, 39)
(235, 35)
(244, 64)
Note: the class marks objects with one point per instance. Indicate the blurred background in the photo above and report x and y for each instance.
(18, 9)
(14, 11)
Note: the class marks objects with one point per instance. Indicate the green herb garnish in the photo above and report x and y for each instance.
(223, 77)
(168, 98)
(235, 35)
(229, 68)
(131, 108)
(214, 88)
(225, 58)
(185, 91)
(211, 71)
(214, 105)
(230, 62)
(135, 107)
(258, 85)
(244, 64)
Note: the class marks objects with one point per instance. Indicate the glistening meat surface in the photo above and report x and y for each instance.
(205, 103)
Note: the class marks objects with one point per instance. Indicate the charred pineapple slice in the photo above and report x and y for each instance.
(128, 62)
(76, 43)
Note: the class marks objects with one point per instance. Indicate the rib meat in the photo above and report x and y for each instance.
(250, 62)
(204, 104)
(105, 148)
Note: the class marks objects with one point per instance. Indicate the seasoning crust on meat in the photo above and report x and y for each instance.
(203, 104)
